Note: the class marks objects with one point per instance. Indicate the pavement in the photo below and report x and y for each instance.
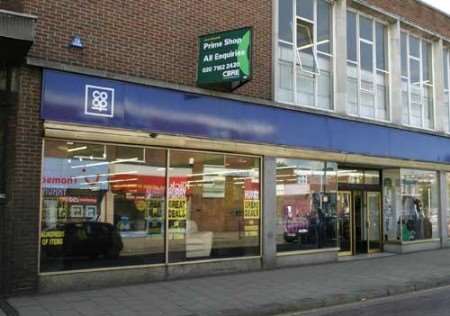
(256, 293)
(433, 302)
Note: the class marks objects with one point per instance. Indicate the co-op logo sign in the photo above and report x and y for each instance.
(99, 101)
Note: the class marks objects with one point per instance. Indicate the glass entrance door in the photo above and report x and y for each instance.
(359, 222)
(373, 206)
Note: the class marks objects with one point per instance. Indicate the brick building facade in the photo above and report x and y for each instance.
(144, 42)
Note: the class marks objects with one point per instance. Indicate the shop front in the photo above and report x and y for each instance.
(143, 183)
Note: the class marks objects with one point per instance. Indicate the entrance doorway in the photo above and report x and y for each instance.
(359, 214)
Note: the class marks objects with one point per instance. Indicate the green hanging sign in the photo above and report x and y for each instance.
(225, 59)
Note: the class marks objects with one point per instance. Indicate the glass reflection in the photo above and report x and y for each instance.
(306, 205)
(102, 206)
(214, 206)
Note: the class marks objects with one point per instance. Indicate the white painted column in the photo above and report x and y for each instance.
(443, 208)
(340, 53)
(395, 68)
(438, 81)
(269, 213)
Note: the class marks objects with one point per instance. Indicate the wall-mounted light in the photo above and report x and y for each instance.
(76, 42)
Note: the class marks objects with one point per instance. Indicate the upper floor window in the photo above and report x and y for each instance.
(305, 53)
(367, 67)
(417, 82)
(447, 89)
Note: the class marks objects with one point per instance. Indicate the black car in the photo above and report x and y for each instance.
(85, 239)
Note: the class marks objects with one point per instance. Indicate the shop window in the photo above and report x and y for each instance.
(306, 205)
(305, 56)
(448, 204)
(214, 206)
(417, 82)
(102, 206)
(367, 71)
(105, 206)
(410, 205)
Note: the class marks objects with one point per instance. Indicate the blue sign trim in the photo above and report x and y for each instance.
(66, 98)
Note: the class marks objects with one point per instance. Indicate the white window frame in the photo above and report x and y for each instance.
(386, 72)
(297, 65)
(422, 83)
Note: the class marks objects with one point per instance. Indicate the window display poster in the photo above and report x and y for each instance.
(251, 208)
(177, 208)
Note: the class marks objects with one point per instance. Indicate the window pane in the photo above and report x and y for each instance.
(405, 102)
(416, 106)
(323, 26)
(285, 11)
(214, 206)
(101, 210)
(305, 34)
(306, 205)
(305, 9)
(382, 96)
(286, 73)
(365, 28)
(324, 95)
(381, 46)
(414, 71)
(308, 60)
(391, 210)
(371, 177)
(448, 203)
(404, 50)
(447, 111)
(352, 89)
(351, 36)
(419, 205)
(367, 104)
(305, 89)
(426, 62)
(414, 46)
(428, 106)
(366, 56)
(446, 65)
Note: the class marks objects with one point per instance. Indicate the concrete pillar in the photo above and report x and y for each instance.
(340, 53)
(438, 80)
(269, 213)
(443, 208)
(395, 68)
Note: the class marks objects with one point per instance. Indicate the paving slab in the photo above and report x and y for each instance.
(262, 293)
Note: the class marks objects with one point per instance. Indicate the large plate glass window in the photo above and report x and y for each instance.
(105, 206)
(214, 206)
(417, 82)
(367, 67)
(102, 206)
(306, 205)
(305, 53)
(410, 204)
(448, 204)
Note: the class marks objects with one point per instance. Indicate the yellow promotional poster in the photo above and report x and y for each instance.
(251, 209)
(177, 209)
(52, 238)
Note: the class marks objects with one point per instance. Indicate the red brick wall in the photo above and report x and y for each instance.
(417, 13)
(150, 39)
(23, 160)
(12, 5)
